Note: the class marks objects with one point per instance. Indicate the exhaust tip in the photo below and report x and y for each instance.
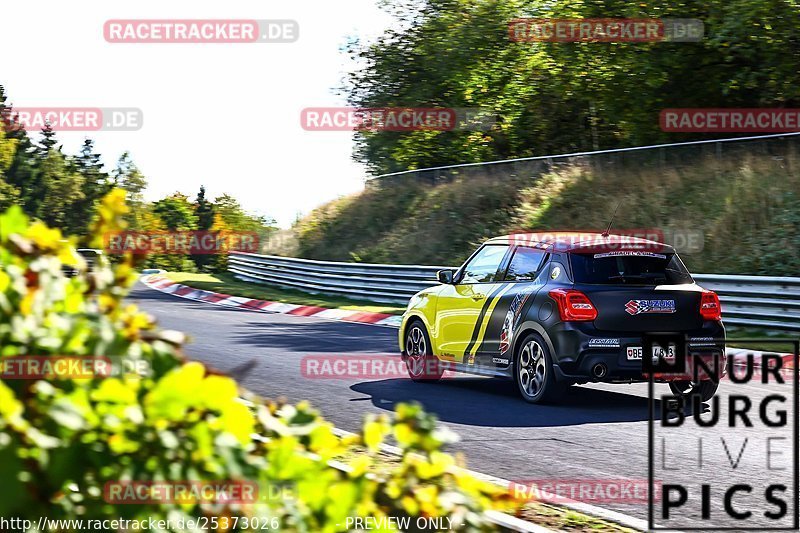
(599, 370)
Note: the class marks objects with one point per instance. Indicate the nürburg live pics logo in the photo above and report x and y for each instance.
(727, 462)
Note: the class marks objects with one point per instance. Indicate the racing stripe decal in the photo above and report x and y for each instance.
(478, 323)
(478, 341)
(492, 338)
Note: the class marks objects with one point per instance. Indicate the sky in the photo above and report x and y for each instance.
(223, 115)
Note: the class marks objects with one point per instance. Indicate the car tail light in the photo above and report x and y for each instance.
(574, 306)
(710, 308)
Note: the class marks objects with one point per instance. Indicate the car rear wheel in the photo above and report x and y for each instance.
(705, 389)
(533, 372)
(422, 365)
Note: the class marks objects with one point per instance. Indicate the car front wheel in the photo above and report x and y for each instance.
(422, 365)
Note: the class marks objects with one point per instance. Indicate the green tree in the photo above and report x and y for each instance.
(563, 97)
(90, 165)
(177, 212)
(48, 141)
(18, 171)
(39, 177)
(126, 176)
(231, 217)
(9, 194)
(96, 182)
(63, 194)
(238, 219)
(204, 211)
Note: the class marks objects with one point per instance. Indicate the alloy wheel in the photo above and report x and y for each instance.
(532, 368)
(416, 350)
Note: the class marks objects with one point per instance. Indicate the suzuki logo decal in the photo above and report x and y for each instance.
(637, 307)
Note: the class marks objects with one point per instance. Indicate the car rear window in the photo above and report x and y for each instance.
(629, 268)
(525, 264)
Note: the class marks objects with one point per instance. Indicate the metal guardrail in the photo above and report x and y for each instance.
(380, 283)
(748, 301)
(766, 302)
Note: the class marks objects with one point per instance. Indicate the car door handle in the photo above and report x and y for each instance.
(477, 297)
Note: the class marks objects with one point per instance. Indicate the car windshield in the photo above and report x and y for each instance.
(629, 268)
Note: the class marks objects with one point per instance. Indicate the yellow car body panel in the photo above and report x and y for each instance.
(423, 307)
(455, 316)
(460, 313)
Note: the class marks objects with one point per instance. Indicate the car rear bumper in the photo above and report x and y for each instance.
(583, 353)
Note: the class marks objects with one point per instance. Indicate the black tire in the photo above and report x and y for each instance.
(705, 389)
(422, 365)
(533, 372)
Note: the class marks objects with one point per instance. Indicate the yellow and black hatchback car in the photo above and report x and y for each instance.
(564, 309)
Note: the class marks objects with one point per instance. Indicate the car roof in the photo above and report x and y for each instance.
(581, 241)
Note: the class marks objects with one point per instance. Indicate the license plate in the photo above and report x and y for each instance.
(634, 353)
(661, 352)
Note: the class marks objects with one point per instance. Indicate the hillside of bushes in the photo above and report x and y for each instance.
(746, 204)
(551, 98)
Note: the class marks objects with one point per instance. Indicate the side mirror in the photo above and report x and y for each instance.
(445, 276)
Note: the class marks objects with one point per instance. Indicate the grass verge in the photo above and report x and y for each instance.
(774, 346)
(225, 283)
(560, 518)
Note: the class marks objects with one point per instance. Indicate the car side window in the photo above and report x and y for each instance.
(525, 264)
(482, 268)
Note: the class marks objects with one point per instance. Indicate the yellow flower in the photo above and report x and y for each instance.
(44, 237)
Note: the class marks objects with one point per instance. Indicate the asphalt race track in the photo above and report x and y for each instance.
(599, 432)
